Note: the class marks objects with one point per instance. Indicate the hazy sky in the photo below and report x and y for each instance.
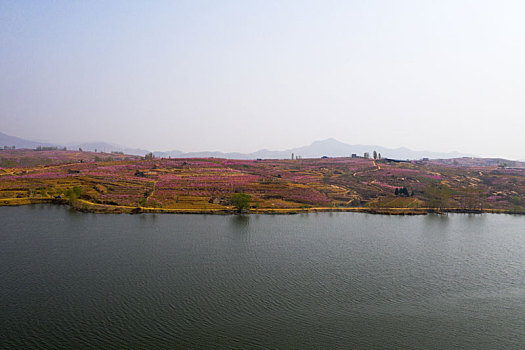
(244, 75)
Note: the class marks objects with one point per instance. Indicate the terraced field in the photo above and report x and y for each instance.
(118, 183)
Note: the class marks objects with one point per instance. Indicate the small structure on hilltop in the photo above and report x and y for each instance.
(219, 200)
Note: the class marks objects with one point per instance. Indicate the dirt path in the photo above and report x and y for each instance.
(153, 191)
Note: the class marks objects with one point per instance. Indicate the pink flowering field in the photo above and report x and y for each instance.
(119, 180)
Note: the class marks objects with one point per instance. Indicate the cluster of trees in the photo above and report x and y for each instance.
(143, 202)
(9, 147)
(376, 155)
(48, 148)
(438, 196)
(73, 194)
(403, 192)
(103, 159)
(470, 198)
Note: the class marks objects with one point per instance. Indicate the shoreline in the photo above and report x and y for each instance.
(89, 207)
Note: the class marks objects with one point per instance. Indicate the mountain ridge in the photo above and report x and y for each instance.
(18, 142)
(329, 147)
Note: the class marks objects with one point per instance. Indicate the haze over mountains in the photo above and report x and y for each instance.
(329, 147)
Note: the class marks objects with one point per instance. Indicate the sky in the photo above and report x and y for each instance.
(246, 75)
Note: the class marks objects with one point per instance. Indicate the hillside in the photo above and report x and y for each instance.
(208, 184)
(29, 158)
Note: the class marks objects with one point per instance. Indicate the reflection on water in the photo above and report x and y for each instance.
(148, 217)
(240, 222)
(319, 280)
(440, 219)
(477, 217)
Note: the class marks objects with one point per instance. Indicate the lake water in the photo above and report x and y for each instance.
(311, 281)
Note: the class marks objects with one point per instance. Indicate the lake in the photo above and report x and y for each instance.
(309, 281)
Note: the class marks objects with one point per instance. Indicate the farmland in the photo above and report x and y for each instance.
(118, 183)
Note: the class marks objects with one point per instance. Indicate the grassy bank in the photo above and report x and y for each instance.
(86, 206)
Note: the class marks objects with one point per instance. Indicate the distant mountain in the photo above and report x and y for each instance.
(108, 148)
(330, 147)
(334, 148)
(6, 140)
